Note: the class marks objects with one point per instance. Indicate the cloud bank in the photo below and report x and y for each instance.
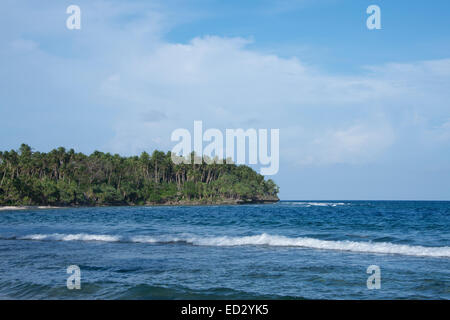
(119, 81)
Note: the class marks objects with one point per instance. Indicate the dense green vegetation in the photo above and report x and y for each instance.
(62, 177)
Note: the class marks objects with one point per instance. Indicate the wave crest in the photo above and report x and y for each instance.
(71, 237)
(315, 204)
(257, 240)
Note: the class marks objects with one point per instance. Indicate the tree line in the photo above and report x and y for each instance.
(68, 178)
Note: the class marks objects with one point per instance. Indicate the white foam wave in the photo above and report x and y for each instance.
(363, 247)
(317, 204)
(72, 237)
(262, 239)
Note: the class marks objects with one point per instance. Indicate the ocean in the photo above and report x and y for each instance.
(287, 250)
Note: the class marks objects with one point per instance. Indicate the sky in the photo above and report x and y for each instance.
(363, 114)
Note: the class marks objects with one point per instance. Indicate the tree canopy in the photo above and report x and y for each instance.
(68, 178)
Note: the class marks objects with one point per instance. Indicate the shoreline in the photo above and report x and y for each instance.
(175, 203)
(5, 208)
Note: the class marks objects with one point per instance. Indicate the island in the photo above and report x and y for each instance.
(69, 178)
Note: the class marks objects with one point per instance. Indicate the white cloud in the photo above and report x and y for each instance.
(356, 144)
(152, 87)
(225, 84)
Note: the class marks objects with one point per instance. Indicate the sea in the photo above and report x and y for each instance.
(287, 250)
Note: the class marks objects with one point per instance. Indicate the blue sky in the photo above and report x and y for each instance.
(363, 114)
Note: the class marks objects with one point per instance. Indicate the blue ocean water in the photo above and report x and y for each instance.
(287, 250)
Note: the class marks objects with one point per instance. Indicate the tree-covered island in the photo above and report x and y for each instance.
(67, 178)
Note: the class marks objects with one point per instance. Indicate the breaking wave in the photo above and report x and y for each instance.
(71, 237)
(315, 204)
(257, 240)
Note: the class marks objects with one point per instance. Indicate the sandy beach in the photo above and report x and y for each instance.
(4, 208)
